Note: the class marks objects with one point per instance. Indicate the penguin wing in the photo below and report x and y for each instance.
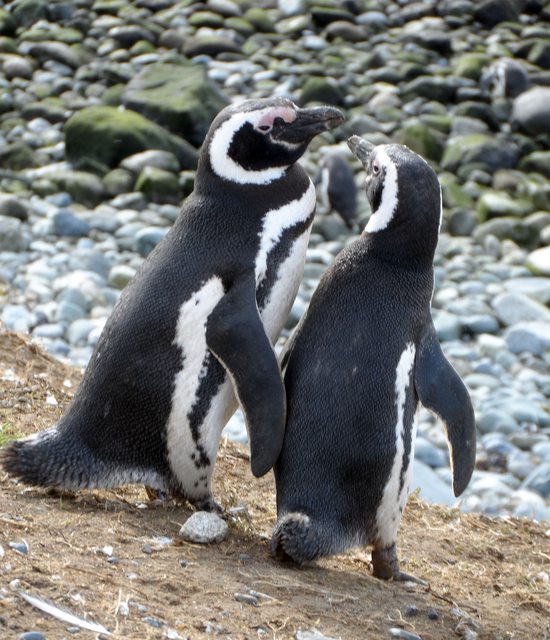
(236, 336)
(441, 390)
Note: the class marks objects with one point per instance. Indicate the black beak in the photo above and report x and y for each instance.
(308, 124)
(361, 148)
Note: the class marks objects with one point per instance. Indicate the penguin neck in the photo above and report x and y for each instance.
(401, 249)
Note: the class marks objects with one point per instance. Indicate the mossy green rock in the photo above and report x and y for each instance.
(107, 135)
(454, 195)
(118, 181)
(83, 187)
(18, 156)
(178, 97)
(508, 228)
(260, 19)
(422, 140)
(159, 185)
(471, 65)
(538, 162)
(58, 34)
(321, 90)
(486, 151)
(7, 45)
(206, 19)
(110, 7)
(494, 204)
(210, 45)
(240, 25)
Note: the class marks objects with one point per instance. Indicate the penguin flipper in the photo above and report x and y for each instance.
(441, 390)
(236, 336)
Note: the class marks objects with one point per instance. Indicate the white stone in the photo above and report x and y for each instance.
(204, 527)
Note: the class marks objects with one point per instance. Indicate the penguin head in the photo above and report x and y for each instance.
(255, 141)
(403, 192)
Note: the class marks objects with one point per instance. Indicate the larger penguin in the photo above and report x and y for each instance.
(195, 327)
(363, 357)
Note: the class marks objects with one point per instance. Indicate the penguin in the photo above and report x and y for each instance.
(361, 360)
(505, 78)
(336, 184)
(191, 335)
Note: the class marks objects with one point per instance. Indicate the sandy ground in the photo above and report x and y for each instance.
(488, 576)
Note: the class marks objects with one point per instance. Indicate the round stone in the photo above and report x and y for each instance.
(204, 528)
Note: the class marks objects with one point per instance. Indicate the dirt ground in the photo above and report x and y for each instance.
(486, 576)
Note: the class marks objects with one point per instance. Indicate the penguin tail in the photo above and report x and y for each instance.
(297, 537)
(48, 459)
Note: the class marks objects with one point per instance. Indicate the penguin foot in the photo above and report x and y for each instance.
(208, 504)
(385, 566)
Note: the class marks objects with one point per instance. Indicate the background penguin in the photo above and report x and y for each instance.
(505, 78)
(196, 324)
(336, 184)
(362, 358)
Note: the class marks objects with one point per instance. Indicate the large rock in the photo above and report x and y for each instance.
(107, 135)
(493, 204)
(494, 154)
(178, 96)
(531, 111)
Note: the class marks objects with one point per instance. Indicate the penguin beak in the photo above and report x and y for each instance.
(361, 148)
(308, 123)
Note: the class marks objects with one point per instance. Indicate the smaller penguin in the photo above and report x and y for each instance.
(505, 78)
(363, 357)
(336, 184)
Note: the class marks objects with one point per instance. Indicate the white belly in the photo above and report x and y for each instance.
(191, 338)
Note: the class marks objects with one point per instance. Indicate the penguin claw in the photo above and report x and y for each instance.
(401, 576)
(385, 565)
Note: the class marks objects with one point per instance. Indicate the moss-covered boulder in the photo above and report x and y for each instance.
(488, 152)
(471, 65)
(107, 135)
(422, 140)
(159, 185)
(323, 90)
(177, 96)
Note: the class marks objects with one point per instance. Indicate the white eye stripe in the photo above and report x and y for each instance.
(218, 151)
(380, 218)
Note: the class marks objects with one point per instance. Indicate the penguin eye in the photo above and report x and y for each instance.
(264, 128)
(375, 168)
